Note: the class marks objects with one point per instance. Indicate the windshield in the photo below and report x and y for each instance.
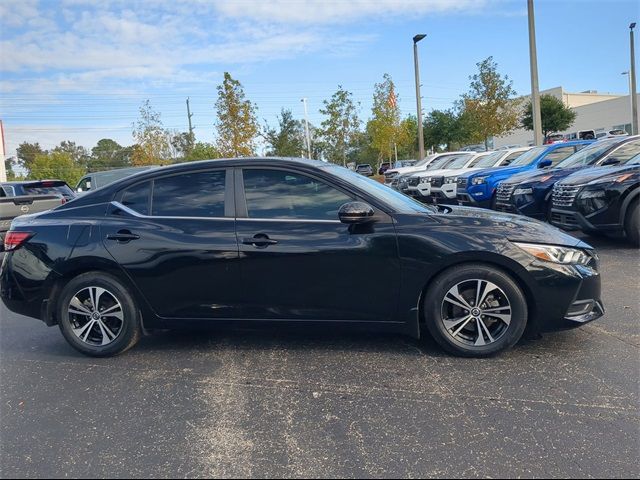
(396, 200)
(444, 161)
(528, 157)
(424, 161)
(487, 160)
(459, 162)
(587, 155)
(634, 161)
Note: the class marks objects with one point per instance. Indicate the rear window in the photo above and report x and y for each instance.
(198, 194)
(45, 189)
(137, 198)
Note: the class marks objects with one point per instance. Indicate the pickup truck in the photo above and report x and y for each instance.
(21, 198)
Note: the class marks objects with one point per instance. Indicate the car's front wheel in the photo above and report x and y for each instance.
(475, 310)
(97, 315)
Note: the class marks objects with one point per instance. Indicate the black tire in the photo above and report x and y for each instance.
(632, 223)
(128, 328)
(435, 306)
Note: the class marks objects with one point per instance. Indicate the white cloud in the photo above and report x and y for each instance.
(335, 11)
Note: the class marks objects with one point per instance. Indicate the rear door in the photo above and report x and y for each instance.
(175, 238)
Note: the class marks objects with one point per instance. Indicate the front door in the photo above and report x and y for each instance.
(175, 238)
(299, 262)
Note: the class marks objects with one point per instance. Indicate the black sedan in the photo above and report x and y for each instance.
(284, 240)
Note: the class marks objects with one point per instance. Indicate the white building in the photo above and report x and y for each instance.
(595, 111)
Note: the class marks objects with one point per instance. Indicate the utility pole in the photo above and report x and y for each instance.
(632, 79)
(189, 115)
(416, 39)
(306, 127)
(535, 89)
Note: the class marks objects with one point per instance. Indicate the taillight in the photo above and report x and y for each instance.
(14, 240)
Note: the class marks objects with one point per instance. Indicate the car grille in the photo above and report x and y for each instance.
(564, 195)
(503, 193)
(566, 221)
(413, 181)
(462, 183)
(437, 181)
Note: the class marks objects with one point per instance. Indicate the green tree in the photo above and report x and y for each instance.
(385, 127)
(339, 126)
(77, 153)
(203, 151)
(56, 165)
(490, 102)
(288, 139)
(408, 147)
(27, 152)
(446, 128)
(109, 154)
(182, 143)
(236, 123)
(8, 165)
(556, 117)
(152, 140)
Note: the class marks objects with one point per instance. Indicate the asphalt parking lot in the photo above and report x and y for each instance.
(328, 404)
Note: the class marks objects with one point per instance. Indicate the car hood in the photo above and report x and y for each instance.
(445, 172)
(406, 170)
(513, 227)
(535, 176)
(589, 174)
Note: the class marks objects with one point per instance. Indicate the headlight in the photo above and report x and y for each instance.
(478, 180)
(451, 180)
(523, 191)
(592, 200)
(554, 254)
(593, 194)
(425, 179)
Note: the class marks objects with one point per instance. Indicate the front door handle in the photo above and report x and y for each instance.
(259, 240)
(123, 236)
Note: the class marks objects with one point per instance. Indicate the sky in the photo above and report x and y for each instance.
(79, 69)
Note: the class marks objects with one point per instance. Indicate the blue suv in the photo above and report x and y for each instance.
(478, 188)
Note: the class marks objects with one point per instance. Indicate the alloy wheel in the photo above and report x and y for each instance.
(476, 312)
(96, 316)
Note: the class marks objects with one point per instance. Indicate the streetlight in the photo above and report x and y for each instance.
(416, 39)
(628, 74)
(632, 79)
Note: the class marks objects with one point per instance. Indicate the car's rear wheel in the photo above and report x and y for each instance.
(632, 223)
(475, 310)
(98, 316)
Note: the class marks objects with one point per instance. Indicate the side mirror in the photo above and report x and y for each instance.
(610, 161)
(545, 164)
(355, 212)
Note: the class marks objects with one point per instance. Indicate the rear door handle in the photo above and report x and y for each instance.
(123, 236)
(259, 240)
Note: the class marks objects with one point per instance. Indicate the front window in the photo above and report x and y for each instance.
(444, 161)
(528, 157)
(559, 154)
(399, 202)
(587, 155)
(291, 195)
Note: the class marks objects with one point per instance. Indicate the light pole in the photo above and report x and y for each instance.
(632, 79)
(306, 127)
(628, 74)
(535, 89)
(416, 39)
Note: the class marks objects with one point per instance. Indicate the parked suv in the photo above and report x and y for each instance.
(478, 188)
(600, 200)
(364, 169)
(392, 176)
(529, 193)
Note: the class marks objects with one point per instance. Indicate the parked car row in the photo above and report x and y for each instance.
(587, 185)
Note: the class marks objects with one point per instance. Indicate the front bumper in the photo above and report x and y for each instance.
(467, 200)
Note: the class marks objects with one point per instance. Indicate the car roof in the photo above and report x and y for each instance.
(30, 182)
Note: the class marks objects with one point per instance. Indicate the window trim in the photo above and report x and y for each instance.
(242, 212)
(229, 203)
